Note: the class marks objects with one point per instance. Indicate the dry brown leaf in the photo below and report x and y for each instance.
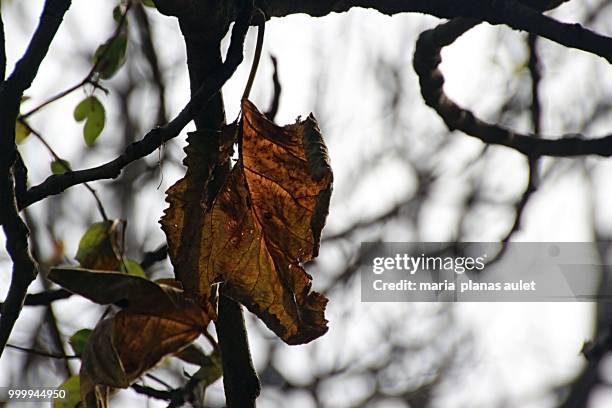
(156, 320)
(265, 223)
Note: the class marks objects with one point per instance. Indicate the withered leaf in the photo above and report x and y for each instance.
(156, 320)
(264, 224)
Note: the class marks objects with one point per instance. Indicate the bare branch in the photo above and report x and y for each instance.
(25, 268)
(426, 61)
(43, 353)
(273, 109)
(536, 113)
(27, 67)
(45, 298)
(2, 50)
(55, 184)
(150, 53)
(153, 257)
(239, 376)
(91, 78)
(59, 160)
(514, 14)
(176, 396)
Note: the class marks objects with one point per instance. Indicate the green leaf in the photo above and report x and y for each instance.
(78, 340)
(101, 246)
(72, 387)
(148, 3)
(59, 166)
(81, 112)
(110, 56)
(117, 13)
(21, 132)
(92, 111)
(132, 268)
(209, 373)
(210, 364)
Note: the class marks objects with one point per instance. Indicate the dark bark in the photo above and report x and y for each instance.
(523, 15)
(427, 59)
(2, 50)
(203, 57)
(196, 109)
(517, 15)
(25, 268)
(239, 376)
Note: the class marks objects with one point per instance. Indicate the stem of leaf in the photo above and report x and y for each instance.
(258, 47)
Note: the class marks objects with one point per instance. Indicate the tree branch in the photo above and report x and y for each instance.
(25, 268)
(91, 77)
(43, 353)
(211, 85)
(151, 258)
(2, 50)
(27, 67)
(49, 296)
(533, 163)
(149, 51)
(203, 43)
(517, 15)
(427, 58)
(66, 167)
(176, 396)
(45, 298)
(239, 376)
(276, 94)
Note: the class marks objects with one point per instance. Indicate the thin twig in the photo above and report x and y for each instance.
(158, 380)
(276, 94)
(25, 268)
(89, 78)
(532, 162)
(59, 160)
(151, 258)
(50, 319)
(55, 184)
(43, 353)
(149, 51)
(176, 396)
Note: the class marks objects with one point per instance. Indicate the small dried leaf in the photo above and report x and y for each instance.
(265, 223)
(156, 320)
